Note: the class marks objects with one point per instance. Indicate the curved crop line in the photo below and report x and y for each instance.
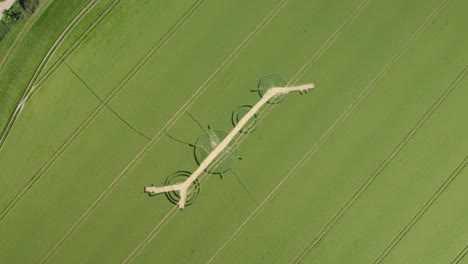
(134, 129)
(368, 181)
(422, 211)
(32, 82)
(83, 125)
(172, 120)
(460, 255)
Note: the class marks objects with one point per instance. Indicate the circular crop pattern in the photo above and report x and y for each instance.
(268, 81)
(180, 177)
(206, 143)
(240, 112)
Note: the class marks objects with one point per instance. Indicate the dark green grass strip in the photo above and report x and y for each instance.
(20, 64)
(77, 43)
(35, 82)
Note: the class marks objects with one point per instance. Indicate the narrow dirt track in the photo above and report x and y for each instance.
(183, 187)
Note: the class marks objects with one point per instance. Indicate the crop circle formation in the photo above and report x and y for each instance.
(269, 81)
(240, 112)
(180, 177)
(205, 145)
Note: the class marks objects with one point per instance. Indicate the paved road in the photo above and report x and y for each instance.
(5, 5)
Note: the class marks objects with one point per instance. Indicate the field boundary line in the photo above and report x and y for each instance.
(460, 255)
(362, 188)
(422, 210)
(175, 117)
(44, 61)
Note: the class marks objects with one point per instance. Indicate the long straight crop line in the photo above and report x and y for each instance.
(32, 83)
(171, 121)
(460, 255)
(317, 145)
(422, 211)
(375, 174)
(439, 191)
(388, 159)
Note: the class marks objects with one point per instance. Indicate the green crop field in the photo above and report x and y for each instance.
(369, 167)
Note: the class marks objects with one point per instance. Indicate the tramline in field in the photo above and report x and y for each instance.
(184, 187)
